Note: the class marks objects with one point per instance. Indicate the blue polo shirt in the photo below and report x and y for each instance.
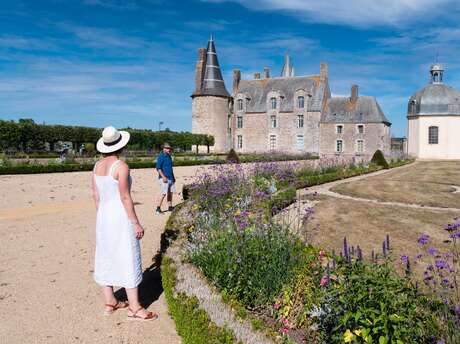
(165, 164)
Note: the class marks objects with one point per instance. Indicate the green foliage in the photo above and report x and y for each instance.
(192, 323)
(250, 265)
(26, 135)
(379, 159)
(233, 157)
(371, 304)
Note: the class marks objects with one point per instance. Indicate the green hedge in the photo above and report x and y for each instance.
(192, 323)
(70, 167)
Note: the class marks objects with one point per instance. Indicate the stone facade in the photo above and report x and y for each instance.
(292, 114)
(354, 141)
(210, 115)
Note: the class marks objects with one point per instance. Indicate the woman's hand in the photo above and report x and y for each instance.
(139, 231)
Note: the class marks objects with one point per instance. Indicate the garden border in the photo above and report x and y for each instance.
(188, 292)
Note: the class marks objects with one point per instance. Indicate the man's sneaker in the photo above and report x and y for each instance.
(158, 211)
(171, 208)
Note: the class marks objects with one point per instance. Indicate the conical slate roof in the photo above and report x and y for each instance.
(213, 83)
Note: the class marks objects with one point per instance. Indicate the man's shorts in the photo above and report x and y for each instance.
(167, 187)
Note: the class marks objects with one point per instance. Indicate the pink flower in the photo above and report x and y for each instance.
(286, 323)
(277, 306)
(284, 330)
(322, 254)
(324, 281)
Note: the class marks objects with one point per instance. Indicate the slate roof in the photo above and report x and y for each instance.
(213, 83)
(257, 90)
(435, 99)
(364, 110)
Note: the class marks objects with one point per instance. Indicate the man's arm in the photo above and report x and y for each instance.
(159, 167)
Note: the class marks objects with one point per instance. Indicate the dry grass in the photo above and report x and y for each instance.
(424, 183)
(367, 225)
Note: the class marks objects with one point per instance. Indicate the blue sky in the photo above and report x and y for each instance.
(131, 63)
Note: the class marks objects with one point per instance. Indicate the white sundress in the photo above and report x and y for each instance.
(118, 255)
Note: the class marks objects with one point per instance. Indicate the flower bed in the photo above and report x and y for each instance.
(304, 294)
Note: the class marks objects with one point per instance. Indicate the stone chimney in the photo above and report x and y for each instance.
(257, 76)
(199, 70)
(236, 79)
(354, 93)
(323, 71)
(266, 73)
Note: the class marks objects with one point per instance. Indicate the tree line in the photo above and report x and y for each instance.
(27, 136)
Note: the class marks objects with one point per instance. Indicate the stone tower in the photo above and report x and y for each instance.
(211, 101)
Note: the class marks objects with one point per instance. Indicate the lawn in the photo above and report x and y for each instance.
(423, 183)
(367, 225)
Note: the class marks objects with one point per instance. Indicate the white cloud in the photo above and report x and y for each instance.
(361, 13)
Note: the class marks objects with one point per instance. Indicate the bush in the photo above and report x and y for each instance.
(250, 265)
(379, 159)
(232, 157)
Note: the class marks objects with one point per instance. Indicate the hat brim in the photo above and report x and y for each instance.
(103, 148)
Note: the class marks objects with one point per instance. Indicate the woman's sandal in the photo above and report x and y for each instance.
(113, 308)
(150, 315)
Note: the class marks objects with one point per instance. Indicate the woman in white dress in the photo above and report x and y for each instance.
(118, 231)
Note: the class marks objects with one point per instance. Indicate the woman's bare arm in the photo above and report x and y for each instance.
(125, 195)
(94, 191)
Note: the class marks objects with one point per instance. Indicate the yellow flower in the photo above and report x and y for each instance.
(348, 336)
(358, 332)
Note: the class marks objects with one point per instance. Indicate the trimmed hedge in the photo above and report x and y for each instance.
(69, 167)
(192, 323)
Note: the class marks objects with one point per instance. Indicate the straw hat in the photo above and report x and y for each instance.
(112, 140)
(167, 145)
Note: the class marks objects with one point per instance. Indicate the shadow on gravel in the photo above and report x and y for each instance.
(151, 286)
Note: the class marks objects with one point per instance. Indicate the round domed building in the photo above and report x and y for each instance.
(434, 119)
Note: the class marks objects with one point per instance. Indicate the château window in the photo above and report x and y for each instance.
(300, 121)
(360, 146)
(339, 146)
(433, 135)
(239, 143)
(300, 102)
(272, 142)
(300, 142)
(239, 105)
(273, 121)
(360, 129)
(239, 122)
(339, 129)
(273, 103)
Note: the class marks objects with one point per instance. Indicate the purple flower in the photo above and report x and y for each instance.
(432, 251)
(404, 259)
(423, 239)
(441, 264)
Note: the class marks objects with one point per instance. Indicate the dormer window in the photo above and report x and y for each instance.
(339, 129)
(273, 103)
(239, 104)
(300, 102)
(360, 128)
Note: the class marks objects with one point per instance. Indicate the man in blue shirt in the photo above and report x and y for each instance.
(166, 177)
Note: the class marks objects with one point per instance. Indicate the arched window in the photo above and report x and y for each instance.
(273, 103)
(239, 104)
(412, 107)
(300, 102)
(433, 135)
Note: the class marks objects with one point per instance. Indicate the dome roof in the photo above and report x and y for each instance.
(435, 98)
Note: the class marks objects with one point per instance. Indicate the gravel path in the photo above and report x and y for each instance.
(47, 293)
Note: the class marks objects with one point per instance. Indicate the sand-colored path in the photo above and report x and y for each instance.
(47, 294)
